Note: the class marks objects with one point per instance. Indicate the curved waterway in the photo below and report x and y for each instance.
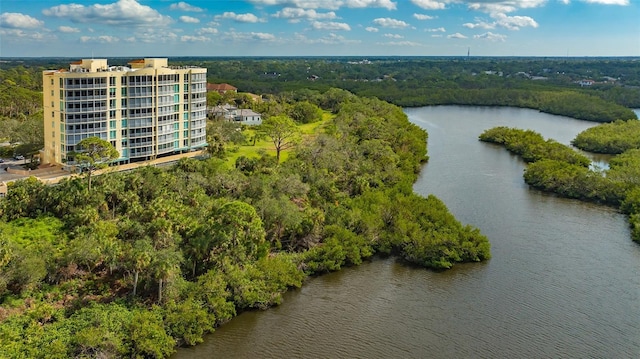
(563, 281)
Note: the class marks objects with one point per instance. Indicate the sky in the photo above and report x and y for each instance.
(169, 28)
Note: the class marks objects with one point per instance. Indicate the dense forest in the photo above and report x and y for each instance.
(612, 138)
(147, 260)
(550, 85)
(557, 168)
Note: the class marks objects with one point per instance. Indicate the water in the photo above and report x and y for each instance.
(563, 281)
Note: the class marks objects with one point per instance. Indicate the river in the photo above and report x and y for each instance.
(563, 281)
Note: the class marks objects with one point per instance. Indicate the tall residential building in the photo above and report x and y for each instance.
(146, 110)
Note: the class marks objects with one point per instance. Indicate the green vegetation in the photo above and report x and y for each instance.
(549, 85)
(613, 138)
(151, 259)
(618, 186)
(532, 146)
(94, 153)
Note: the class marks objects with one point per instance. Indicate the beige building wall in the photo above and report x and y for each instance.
(146, 109)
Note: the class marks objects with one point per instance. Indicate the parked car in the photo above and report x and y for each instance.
(1, 160)
(19, 157)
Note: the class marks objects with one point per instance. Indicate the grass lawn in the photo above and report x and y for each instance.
(249, 150)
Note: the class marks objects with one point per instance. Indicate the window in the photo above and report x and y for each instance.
(112, 135)
(112, 124)
(124, 123)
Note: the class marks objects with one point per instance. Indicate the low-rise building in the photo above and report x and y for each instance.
(221, 88)
(238, 115)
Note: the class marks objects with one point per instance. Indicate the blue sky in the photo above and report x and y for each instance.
(110, 28)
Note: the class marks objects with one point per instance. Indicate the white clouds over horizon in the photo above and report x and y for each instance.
(297, 14)
(230, 15)
(391, 23)
(189, 19)
(340, 27)
(330, 26)
(329, 4)
(15, 20)
(183, 6)
(121, 13)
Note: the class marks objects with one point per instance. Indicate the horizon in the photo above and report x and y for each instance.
(320, 28)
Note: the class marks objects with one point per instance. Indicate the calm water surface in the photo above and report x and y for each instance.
(564, 280)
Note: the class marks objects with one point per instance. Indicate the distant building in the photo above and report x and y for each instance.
(586, 83)
(146, 110)
(238, 115)
(221, 88)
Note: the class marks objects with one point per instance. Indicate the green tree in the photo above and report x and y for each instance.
(305, 112)
(94, 153)
(283, 132)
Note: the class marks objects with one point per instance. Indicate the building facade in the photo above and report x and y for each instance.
(145, 110)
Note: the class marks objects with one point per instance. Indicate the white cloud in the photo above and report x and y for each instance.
(424, 17)
(16, 20)
(152, 35)
(436, 35)
(15, 35)
(333, 39)
(330, 26)
(187, 38)
(68, 29)
(430, 4)
(608, 2)
(371, 29)
(480, 24)
(295, 14)
(183, 6)
(457, 35)
(328, 4)
(249, 36)
(438, 29)
(189, 19)
(120, 13)
(491, 37)
(514, 22)
(247, 18)
(104, 39)
(393, 36)
(505, 6)
(208, 30)
(389, 22)
(502, 20)
(400, 43)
